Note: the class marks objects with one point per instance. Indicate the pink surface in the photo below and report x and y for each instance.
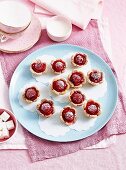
(116, 13)
(41, 149)
(111, 158)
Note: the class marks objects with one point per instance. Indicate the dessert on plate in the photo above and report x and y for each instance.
(76, 97)
(58, 66)
(31, 94)
(95, 77)
(38, 67)
(59, 86)
(92, 108)
(79, 59)
(45, 108)
(68, 115)
(76, 79)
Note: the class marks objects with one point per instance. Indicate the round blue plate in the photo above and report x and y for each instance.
(29, 120)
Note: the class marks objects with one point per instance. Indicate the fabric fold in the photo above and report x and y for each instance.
(78, 11)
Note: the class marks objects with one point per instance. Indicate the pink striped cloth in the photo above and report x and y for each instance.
(40, 149)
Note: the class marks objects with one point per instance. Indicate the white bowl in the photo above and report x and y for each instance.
(59, 28)
(14, 16)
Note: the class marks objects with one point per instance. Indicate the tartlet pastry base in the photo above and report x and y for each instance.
(38, 105)
(76, 65)
(67, 123)
(71, 84)
(93, 83)
(29, 101)
(60, 93)
(56, 71)
(35, 73)
(88, 115)
(80, 104)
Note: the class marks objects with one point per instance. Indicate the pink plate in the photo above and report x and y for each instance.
(23, 41)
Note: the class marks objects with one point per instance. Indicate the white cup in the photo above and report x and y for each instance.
(59, 28)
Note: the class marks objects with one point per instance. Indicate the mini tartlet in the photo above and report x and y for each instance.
(76, 79)
(92, 108)
(95, 77)
(45, 108)
(79, 59)
(68, 115)
(59, 86)
(31, 94)
(38, 67)
(76, 97)
(58, 66)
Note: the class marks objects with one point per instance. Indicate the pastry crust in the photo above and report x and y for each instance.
(75, 64)
(30, 101)
(43, 101)
(75, 116)
(89, 115)
(35, 73)
(60, 93)
(91, 82)
(71, 84)
(52, 62)
(80, 104)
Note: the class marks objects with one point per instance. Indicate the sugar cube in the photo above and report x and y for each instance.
(5, 116)
(1, 126)
(0, 120)
(5, 131)
(10, 124)
(1, 135)
(4, 125)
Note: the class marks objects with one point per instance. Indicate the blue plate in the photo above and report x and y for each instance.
(30, 120)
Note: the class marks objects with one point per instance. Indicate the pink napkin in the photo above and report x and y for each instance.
(95, 15)
(80, 12)
(40, 149)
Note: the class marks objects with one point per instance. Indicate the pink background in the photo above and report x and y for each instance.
(102, 159)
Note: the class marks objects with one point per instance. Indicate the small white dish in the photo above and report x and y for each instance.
(14, 16)
(59, 28)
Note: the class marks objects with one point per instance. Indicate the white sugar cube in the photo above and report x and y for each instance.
(5, 131)
(1, 135)
(1, 126)
(0, 120)
(4, 125)
(5, 116)
(10, 124)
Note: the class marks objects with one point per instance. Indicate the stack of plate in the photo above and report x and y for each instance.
(17, 26)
